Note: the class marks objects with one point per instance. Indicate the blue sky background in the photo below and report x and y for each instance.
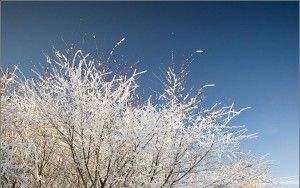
(250, 53)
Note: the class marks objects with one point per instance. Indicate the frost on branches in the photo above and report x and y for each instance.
(79, 125)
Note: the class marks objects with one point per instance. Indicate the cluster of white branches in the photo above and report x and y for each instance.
(78, 125)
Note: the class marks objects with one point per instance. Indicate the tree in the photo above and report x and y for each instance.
(80, 125)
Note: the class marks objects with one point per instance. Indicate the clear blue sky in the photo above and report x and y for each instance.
(251, 53)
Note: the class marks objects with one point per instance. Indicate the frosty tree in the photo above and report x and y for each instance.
(79, 124)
